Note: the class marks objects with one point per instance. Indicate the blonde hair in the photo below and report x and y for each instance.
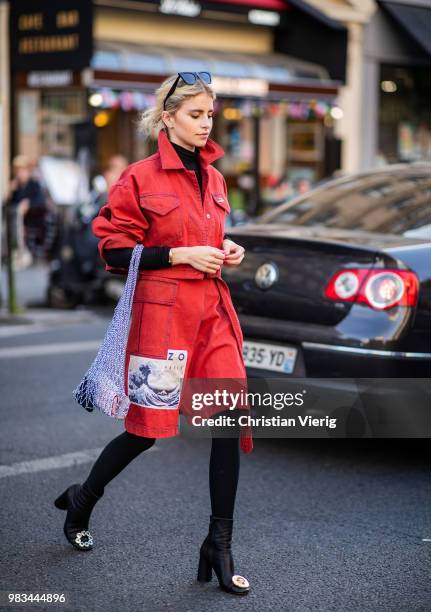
(150, 122)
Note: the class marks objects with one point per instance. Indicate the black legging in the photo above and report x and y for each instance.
(223, 467)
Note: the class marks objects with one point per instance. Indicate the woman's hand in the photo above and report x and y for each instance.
(203, 258)
(234, 253)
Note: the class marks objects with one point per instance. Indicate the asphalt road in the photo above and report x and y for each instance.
(320, 525)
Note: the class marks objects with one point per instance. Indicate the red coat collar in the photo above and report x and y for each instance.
(170, 160)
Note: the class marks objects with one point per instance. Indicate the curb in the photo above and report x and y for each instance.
(46, 317)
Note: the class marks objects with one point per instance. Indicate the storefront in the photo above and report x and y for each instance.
(51, 46)
(397, 112)
(274, 112)
(48, 117)
(405, 113)
(262, 123)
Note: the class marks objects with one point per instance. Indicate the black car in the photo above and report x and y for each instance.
(337, 282)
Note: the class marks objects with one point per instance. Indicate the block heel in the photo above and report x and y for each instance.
(205, 572)
(216, 554)
(79, 502)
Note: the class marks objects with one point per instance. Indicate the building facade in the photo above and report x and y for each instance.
(397, 62)
(84, 71)
(385, 98)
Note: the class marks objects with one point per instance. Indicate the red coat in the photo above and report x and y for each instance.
(157, 202)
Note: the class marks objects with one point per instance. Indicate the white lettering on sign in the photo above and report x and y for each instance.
(58, 78)
(267, 18)
(186, 8)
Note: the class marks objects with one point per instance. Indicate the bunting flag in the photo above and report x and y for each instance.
(300, 110)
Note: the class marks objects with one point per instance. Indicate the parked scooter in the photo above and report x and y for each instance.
(77, 273)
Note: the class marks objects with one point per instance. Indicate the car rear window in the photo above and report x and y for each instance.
(385, 203)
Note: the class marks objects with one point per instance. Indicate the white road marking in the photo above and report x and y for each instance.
(20, 330)
(53, 463)
(426, 539)
(49, 349)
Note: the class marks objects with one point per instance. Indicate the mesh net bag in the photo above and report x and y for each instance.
(103, 384)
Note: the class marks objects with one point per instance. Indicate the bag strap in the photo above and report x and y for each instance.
(124, 307)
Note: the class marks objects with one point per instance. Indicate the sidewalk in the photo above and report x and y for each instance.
(31, 286)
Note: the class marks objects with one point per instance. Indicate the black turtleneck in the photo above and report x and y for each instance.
(191, 160)
(153, 258)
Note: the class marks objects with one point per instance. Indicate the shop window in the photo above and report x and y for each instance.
(404, 114)
(60, 112)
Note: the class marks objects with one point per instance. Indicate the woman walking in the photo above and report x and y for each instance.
(183, 322)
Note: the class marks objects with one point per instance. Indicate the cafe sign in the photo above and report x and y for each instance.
(51, 35)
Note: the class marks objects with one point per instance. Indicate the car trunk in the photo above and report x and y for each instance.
(305, 264)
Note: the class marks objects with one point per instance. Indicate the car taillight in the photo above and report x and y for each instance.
(379, 289)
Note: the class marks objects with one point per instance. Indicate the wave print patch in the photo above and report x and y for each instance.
(156, 383)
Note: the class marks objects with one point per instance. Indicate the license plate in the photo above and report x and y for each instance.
(269, 356)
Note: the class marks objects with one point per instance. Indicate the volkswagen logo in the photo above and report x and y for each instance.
(266, 275)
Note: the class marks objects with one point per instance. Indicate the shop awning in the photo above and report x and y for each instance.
(124, 60)
(313, 12)
(307, 33)
(287, 5)
(415, 20)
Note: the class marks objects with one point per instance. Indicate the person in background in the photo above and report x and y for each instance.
(28, 202)
(117, 164)
(114, 169)
(102, 183)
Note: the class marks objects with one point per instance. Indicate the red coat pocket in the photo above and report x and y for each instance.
(152, 312)
(164, 215)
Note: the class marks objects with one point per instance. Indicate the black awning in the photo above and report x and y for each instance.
(415, 20)
(309, 34)
(316, 14)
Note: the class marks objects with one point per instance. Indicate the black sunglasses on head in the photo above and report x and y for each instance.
(189, 78)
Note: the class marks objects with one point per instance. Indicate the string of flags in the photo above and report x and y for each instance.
(129, 100)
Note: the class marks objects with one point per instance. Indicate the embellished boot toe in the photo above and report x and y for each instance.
(215, 554)
(79, 502)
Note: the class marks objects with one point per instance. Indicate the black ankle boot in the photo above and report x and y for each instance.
(215, 554)
(79, 502)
